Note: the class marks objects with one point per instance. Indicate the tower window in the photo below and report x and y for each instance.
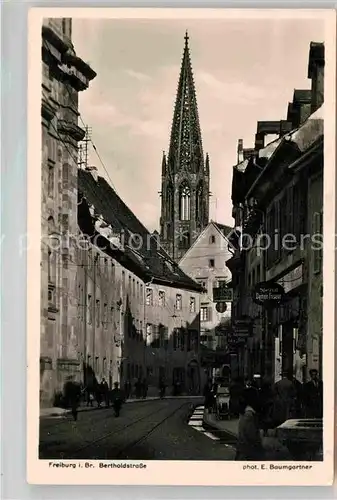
(184, 202)
(170, 202)
(199, 200)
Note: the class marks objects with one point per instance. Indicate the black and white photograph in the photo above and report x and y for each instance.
(182, 197)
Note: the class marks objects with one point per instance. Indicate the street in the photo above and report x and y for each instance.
(149, 430)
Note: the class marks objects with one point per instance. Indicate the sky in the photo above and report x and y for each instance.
(244, 70)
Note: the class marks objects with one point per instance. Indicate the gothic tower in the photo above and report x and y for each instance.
(185, 172)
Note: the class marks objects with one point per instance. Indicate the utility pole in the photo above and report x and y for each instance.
(84, 148)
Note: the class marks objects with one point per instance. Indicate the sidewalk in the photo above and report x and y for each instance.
(61, 412)
(229, 427)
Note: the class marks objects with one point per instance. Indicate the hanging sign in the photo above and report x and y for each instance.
(266, 294)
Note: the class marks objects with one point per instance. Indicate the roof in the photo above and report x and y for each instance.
(269, 149)
(223, 228)
(311, 130)
(145, 252)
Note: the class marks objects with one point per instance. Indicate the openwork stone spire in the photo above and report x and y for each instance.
(185, 151)
(185, 173)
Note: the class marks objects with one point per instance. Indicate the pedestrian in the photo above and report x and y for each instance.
(208, 396)
(284, 395)
(162, 388)
(145, 386)
(117, 399)
(313, 396)
(236, 389)
(249, 443)
(266, 406)
(297, 406)
(127, 389)
(104, 389)
(138, 388)
(72, 396)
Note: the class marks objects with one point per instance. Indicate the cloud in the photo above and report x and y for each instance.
(137, 75)
(237, 92)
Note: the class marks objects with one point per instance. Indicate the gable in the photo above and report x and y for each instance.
(211, 244)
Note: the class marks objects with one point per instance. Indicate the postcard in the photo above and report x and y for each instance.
(180, 246)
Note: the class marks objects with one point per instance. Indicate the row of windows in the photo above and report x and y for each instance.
(102, 312)
(254, 276)
(184, 202)
(162, 300)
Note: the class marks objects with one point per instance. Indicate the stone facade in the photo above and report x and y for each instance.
(63, 76)
(185, 172)
(172, 337)
(142, 310)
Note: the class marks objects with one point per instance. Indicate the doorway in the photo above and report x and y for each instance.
(287, 348)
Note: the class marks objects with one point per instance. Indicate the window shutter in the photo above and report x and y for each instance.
(209, 313)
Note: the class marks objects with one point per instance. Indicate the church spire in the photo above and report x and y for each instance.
(185, 170)
(185, 150)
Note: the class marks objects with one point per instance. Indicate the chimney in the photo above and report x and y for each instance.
(93, 171)
(240, 151)
(316, 74)
(301, 106)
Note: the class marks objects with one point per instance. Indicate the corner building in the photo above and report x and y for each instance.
(64, 75)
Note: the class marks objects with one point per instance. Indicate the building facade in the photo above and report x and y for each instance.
(277, 205)
(64, 75)
(143, 309)
(185, 171)
(205, 262)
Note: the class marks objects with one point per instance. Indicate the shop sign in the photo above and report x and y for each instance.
(222, 294)
(221, 307)
(268, 294)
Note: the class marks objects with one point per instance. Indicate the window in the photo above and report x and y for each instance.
(98, 313)
(123, 279)
(199, 202)
(204, 313)
(130, 284)
(141, 294)
(211, 263)
(105, 315)
(184, 202)
(212, 239)
(149, 297)
(89, 309)
(51, 178)
(170, 202)
(317, 240)
(162, 298)
(111, 314)
(148, 338)
(178, 302)
(177, 339)
(192, 304)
